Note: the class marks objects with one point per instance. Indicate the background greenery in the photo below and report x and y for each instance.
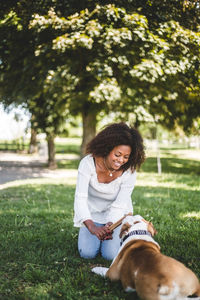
(39, 257)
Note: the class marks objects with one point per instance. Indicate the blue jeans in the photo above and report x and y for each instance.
(89, 246)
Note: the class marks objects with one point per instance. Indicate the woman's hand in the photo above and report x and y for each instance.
(102, 232)
(109, 234)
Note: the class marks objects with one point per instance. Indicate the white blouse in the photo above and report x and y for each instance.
(101, 202)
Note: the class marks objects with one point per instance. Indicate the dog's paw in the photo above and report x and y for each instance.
(100, 271)
(129, 289)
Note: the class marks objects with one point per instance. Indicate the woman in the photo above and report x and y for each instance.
(106, 178)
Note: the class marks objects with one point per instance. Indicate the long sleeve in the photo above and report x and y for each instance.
(101, 202)
(123, 202)
(81, 210)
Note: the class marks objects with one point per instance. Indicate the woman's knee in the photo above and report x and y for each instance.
(88, 253)
(109, 250)
(109, 253)
(88, 244)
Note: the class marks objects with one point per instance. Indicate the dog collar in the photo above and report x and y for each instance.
(135, 232)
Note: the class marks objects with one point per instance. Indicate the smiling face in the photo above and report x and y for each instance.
(118, 157)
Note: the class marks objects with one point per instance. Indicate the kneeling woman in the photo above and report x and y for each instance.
(106, 178)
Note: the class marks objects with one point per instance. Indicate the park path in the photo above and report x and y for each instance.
(14, 166)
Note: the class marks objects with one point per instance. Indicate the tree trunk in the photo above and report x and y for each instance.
(137, 123)
(51, 152)
(153, 132)
(33, 147)
(89, 129)
(159, 166)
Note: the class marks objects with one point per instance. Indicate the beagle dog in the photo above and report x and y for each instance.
(141, 267)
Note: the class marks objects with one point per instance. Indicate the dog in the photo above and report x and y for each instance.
(141, 267)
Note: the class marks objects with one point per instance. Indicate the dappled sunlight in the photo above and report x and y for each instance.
(172, 165)
(192, 214)
(177, 161)
(185, 182)
(68, 178)
(15, 168)
(190, 154)
(177, 165)
(185, 153)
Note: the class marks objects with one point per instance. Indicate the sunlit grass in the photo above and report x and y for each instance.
(193, 214)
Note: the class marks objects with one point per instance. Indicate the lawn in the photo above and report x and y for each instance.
(39, 257)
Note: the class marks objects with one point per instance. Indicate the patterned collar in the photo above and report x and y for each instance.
(135, 232)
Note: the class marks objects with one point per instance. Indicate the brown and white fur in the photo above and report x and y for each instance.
(141, 267)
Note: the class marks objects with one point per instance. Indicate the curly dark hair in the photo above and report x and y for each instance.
(119, 134)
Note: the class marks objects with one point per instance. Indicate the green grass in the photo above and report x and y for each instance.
(69, 145)
(39, 257)
(14, 146)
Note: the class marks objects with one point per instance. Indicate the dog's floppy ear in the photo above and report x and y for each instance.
(150, 228)
(124, 228)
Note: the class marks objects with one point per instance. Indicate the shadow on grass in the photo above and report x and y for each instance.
(172, 165)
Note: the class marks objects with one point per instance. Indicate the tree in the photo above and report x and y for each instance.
(100, 58)
(120, 64)
(26, 80)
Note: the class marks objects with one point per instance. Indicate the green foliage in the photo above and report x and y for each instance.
(118, 63)
(89, 57)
